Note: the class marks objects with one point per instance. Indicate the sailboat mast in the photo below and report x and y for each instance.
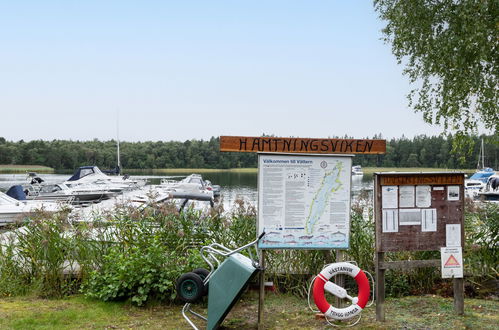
(483, 156)
(118, 141)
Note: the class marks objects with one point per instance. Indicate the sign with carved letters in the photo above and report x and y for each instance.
(301, 145)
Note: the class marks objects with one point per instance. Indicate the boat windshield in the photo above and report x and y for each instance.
(481, 175)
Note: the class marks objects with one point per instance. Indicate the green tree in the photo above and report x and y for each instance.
(450, 50)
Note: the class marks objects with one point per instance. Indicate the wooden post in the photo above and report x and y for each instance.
(380, 287)
(459, 296)
(261, 295)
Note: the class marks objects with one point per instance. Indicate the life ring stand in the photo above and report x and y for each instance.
(322, 283)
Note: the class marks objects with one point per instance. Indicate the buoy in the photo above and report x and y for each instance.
(322, 283)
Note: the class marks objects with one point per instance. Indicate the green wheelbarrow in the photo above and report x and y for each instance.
(229, 274)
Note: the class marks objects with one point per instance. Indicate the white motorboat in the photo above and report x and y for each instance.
(477, 183)
(193, 183)
(13, 210)
(61, 192)
(491, 191)
(357, 170)
(138, 199)
(93, 175)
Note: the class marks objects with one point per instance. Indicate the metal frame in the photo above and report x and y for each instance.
(327, 247)
(211, 254)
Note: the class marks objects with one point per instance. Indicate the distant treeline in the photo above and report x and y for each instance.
(421, 151)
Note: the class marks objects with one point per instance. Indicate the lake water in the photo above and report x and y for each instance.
(234, 185)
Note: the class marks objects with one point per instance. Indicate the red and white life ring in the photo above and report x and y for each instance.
(322, 283)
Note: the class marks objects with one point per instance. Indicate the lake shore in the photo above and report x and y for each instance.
(366, 170)
(13, 169)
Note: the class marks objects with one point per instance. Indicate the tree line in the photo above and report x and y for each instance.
(64, 155)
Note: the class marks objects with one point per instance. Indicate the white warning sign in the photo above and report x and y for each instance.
(452, 262)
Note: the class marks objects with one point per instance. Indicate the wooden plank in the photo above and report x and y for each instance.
(409, 264)
(301, 145)
(399, 179)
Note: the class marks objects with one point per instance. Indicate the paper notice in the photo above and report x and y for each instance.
(453, 235)
(453, 193)
(423, 196)
(406, 196)
(390, 221)
(429, 220)
(410, 217)
(389, 197)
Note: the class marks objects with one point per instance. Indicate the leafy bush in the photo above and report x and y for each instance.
(482, 240)
(150, 252)
(140, 272)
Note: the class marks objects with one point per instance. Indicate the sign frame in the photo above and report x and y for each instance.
(411, 237)
(429, 237)
(309, 246)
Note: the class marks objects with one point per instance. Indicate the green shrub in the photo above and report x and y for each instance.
(482, 241)
(139, 272)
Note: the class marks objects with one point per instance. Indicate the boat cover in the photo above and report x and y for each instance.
(17, 192)
(81, 172)
(483, 175)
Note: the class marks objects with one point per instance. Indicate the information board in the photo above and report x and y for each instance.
(418, 211)
(304, 201)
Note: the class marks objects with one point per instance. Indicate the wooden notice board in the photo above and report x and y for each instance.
(300, 145)
(418, 211)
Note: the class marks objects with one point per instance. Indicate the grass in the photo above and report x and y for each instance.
(281, 312)
(25, 168)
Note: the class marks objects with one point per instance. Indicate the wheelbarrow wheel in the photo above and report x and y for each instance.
(203, 273)
(190, 287)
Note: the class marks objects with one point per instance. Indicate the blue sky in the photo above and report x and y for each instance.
(178, 70)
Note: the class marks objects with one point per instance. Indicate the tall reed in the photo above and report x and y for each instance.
(138, 255)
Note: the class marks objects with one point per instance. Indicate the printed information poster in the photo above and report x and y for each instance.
(423, 196)
(389, 197)
(304, 201)
(453, 235)
(453, 193)
(429, 220)
(390, 221)
(407, 196)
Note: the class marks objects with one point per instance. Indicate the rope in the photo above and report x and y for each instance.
(328, 319)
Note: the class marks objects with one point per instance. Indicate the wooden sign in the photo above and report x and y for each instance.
(414, 211)
(402, 179)
(418, 212)
(299, 145)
